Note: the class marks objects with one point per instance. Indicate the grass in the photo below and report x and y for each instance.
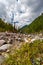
(27, 54)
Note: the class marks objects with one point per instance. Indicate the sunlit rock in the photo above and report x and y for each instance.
(5, 47)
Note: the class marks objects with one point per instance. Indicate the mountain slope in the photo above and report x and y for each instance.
(5, 26)
(35, 26)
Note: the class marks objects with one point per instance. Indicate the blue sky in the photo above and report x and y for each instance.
(24, 11)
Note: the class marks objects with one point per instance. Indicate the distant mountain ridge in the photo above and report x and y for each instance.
(35, 26)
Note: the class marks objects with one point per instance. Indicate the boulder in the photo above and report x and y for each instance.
(5, 47)
(2, 42)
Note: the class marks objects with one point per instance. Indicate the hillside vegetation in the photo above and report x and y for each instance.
(5, 26)
(35, 26)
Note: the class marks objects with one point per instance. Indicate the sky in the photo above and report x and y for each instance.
(24, 11)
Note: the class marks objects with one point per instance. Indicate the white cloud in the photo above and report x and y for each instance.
(24, 10)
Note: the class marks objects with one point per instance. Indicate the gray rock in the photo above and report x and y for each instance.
(5, 47)
(2, 42)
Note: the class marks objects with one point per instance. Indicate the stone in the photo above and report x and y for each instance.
(2, 42)
(5, 47)
(25, 40)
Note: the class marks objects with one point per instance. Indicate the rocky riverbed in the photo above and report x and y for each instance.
(8, 40)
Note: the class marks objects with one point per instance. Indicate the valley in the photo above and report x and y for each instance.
(11, 41)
